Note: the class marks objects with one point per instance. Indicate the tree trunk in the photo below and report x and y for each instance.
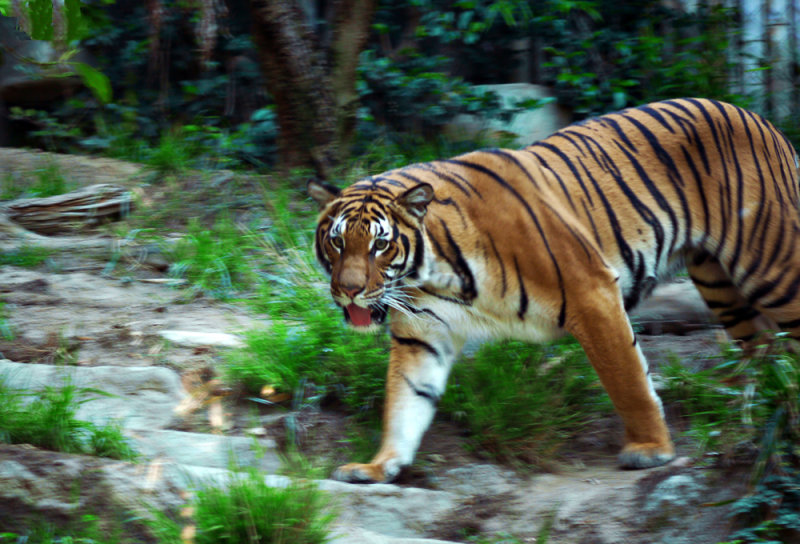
(314, 90)
(350, 34)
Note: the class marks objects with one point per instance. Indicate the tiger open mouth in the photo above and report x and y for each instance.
(364, 317)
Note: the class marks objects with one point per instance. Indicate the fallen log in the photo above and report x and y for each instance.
(88, 206)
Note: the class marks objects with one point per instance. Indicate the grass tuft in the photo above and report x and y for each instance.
(48, 421)
(247, 510)
(25, 257)
(214, 260)
(522, 401)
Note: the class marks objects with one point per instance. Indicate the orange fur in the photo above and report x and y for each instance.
(564, 236)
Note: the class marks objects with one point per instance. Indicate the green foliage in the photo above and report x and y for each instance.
(26, 257)
(709, 400)
(414, 94)
(88, 530)
(247, 510)
(772, 510)
(213, 260)
(753, 403)
(47, 420)
(95, 80)
(602, 58)
(6, 331)
(314, 355)
(522, 401)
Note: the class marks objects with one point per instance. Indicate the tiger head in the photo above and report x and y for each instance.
(369, 239)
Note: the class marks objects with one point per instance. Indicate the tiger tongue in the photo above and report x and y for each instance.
(359, 316)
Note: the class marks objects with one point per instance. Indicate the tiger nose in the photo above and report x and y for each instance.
(351, 291)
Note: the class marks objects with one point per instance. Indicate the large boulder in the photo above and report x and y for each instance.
(525, 127)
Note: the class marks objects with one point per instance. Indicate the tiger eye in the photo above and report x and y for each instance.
(380, 244)
(338, 242)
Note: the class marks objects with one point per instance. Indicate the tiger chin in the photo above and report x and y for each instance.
(564, 237)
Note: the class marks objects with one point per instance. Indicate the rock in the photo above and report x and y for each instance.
(88, 206)
(207, 450)
(478, 480)
(391, 510)
(346, 534)
(673, 308)
(37, 484)
(139, 397)
(674, 494)
(195, 338)
(526, 127)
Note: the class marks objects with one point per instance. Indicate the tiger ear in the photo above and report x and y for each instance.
(416, 199)
(322, 192)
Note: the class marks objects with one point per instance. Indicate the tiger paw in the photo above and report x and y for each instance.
(648, 455)
(367, 473)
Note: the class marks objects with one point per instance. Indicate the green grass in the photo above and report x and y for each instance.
(214, 260)
(45, 180)
(49, 181)
(312, 354)
(247, 510)
(6, 330)
(25, 257)
(48, 420)
(749, 411)
(173, 154)
(522, 401)
(87, 530)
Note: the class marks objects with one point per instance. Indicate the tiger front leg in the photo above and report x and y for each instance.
(602, 327)
(416, 380)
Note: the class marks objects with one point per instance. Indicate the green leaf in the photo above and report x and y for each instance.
(76, 26)
(5, 9)
(96, 80)
(40, 13)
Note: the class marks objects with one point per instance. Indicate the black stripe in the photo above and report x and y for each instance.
(419, 252)
(505, 155)
(716, 284)
(788, 296)
(460, 266)
(565, 159)
(523, 295)
(687, 157)
(590, 215)
(790, 324)
(674, 176)
(645, 212)
(501, 263)
(737, 316)
(459, 182)
(426, 391)
(607, 163)
(426, 311)
(417, 343)
(655, 114)
(503, 183)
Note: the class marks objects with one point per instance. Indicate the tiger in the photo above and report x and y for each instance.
(565, 236)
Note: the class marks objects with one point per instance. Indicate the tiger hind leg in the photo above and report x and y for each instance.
(742, 321)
